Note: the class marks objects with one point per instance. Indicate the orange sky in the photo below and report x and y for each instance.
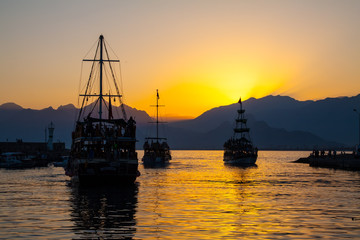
(199, 54)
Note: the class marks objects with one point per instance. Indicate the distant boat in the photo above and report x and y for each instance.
(62, 163)
(103, 147)
(156, 149)
(11, 160)
(239, 149)
(17, 160)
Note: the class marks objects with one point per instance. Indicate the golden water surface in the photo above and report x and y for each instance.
(195, 197)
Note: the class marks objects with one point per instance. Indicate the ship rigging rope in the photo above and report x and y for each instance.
(97, 100)
(116, 86)
(79, 88)
(122, 99)
(110, 91)
(106, 73)
(107, 107)
(120, 77)
(91, 84)
(87, 86)
(107, 79)
(92, 47)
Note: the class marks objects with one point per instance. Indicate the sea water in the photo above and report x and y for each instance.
(195, 197)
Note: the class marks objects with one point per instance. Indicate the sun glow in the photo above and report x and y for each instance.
(214, 52)
(190, 96)
(192, 84)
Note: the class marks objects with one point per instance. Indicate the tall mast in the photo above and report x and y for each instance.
(157, 117)
(157, 114)
(101, 38)
(102, 61)
(241, 122)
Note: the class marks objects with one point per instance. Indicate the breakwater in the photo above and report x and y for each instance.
(341, 161)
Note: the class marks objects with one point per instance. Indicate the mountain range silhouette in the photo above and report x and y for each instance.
(276, 122)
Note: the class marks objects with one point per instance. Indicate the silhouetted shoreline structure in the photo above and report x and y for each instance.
(30, 147)
(337, 159)
(20, 154)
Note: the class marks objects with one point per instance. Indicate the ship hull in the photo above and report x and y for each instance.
(156, 160)
(105, 179)
(101, 171)
(244, 160)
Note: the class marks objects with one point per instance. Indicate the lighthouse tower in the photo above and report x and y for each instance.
(50, 146)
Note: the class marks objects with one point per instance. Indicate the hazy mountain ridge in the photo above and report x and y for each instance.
(30, 124)
(10, 106)
(331, 118)
(276, 122)
(263, 136)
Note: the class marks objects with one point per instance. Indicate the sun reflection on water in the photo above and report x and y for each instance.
(195, 197)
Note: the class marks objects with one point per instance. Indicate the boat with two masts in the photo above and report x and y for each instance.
(156, 149)
(103, 147)
(239, 149)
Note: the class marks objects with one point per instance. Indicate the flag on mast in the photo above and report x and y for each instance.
(239, 100)
(157, 94)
